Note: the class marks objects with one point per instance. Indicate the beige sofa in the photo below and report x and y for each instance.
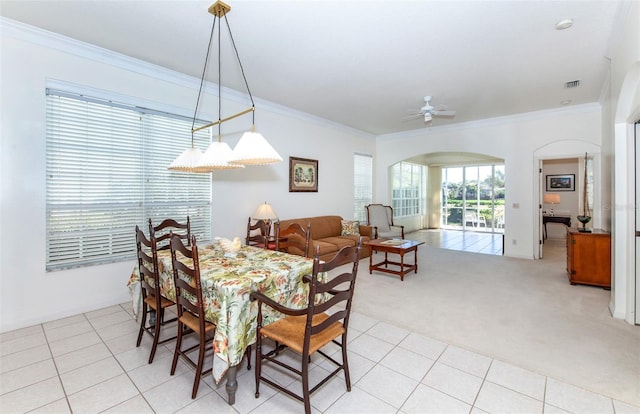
(326, 233)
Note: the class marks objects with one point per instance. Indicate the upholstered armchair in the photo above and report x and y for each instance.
(380, 217)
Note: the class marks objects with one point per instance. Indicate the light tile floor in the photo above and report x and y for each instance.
(89, 363)
(468, 241)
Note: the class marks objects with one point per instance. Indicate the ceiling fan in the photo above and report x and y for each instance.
(428, 111)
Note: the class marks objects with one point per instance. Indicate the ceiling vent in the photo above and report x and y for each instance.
(572, 84)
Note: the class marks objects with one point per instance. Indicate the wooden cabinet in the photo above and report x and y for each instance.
(589, 257)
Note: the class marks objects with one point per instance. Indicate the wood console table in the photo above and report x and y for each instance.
(566, 220)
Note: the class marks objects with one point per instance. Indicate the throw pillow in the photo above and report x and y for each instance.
(350, 228)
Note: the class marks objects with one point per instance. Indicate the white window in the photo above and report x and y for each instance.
(408, 189)
(362, 184)
(473, 197)
(107, 172)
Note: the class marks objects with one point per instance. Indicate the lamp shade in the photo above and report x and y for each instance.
(187, 161)
(552, 198)
(265, 212)
(253, 149)
(216, 157)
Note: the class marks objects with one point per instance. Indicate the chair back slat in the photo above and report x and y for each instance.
(257, 233)
(162, 232)
(148, 265)
(294, 239)
(187, 278)
(339, 288)
(336, 317)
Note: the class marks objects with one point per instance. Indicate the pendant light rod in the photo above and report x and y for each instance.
(220, 121)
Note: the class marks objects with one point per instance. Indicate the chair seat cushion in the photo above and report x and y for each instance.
(164, 302)
(192, 322)
(392, 233)
(290, 332)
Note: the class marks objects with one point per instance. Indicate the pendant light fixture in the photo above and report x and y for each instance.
(219, 155)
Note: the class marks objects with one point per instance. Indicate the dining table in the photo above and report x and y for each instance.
(228, 279)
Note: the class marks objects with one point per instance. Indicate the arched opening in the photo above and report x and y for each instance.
(452, 192)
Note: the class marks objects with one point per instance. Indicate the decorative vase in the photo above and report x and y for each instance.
(584, 220)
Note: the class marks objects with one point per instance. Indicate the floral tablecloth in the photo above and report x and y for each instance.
(227, 282)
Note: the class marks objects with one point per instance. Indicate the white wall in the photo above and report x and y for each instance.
(623, 103)
(514, 139)
(30, 58)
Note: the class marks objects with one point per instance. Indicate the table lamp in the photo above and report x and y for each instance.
(265, 212)
(551, 198)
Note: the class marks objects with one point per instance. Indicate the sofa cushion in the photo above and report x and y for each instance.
(350, 228)
(339, 241)
(326, 248)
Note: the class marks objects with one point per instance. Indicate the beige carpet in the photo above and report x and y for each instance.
(523, 312)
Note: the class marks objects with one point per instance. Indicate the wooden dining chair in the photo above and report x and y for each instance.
(152, 299)
(307, 331)
(257, 233)
(162, 232)
(160, 235)
(294, 239)
(190, 305)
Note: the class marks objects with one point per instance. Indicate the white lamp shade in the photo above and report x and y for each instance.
(253, 149)
(552, 198)
(265, 212)
(216, 157)
(187, 161)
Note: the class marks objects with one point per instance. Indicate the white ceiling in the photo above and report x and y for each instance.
(364, 64)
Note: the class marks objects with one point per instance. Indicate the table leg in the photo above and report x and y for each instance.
(401, 266)
(415, 259)
(232, 384)
(371, 260)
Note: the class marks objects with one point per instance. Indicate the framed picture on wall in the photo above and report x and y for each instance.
(561, 182)
(303, 175)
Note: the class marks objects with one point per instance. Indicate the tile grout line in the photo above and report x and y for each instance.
(53, 359)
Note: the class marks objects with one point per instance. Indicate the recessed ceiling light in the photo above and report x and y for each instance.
(565, 102)
(564, 24)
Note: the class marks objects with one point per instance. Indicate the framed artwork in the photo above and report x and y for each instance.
(561, 182)
(303, 175)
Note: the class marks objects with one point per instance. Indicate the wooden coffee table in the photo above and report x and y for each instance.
(397, 247)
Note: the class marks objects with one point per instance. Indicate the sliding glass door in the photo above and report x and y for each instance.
(473, 198)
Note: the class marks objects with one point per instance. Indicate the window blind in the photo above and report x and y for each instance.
(362, 184)
(106, 167)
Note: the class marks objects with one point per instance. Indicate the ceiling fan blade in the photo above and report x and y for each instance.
(413, 116)
(443, 113)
